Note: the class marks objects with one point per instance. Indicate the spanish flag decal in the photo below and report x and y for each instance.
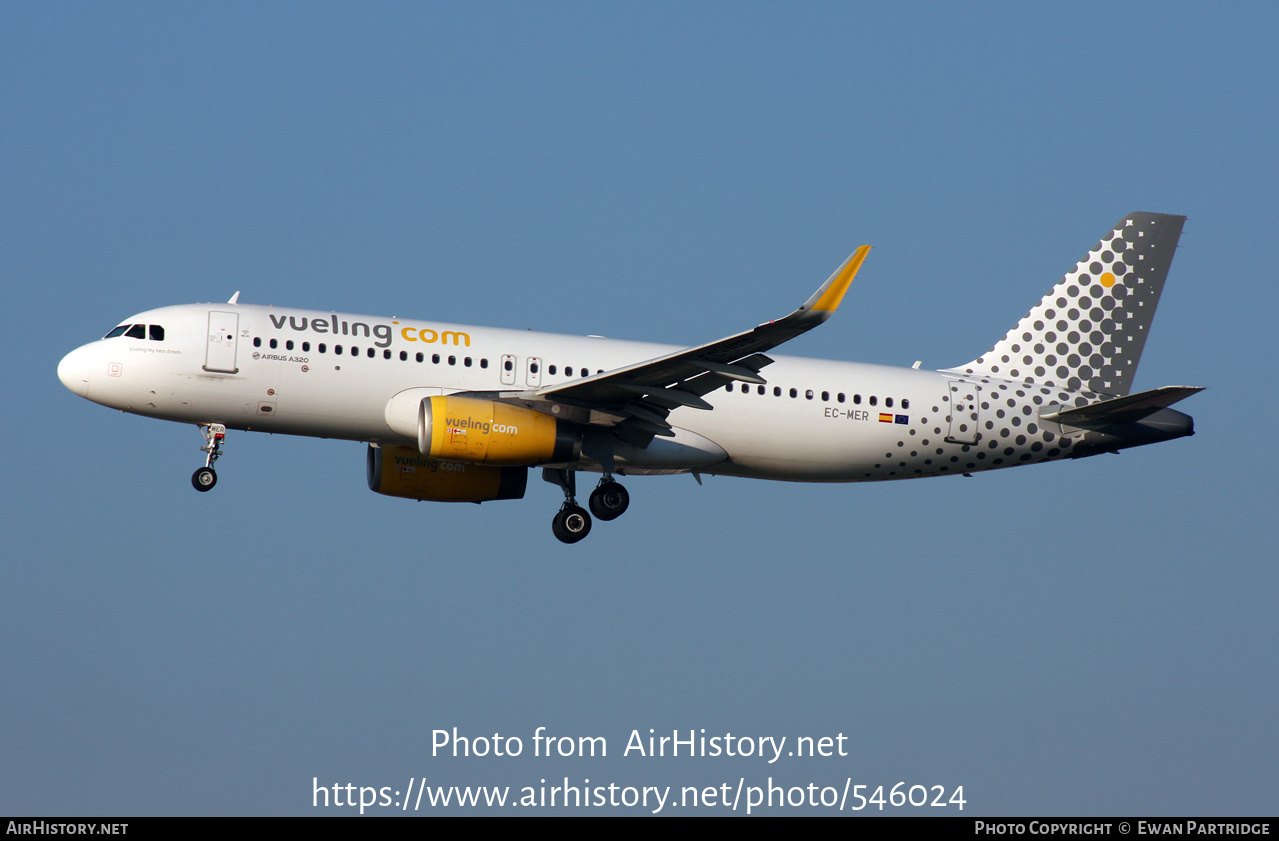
(885, 417)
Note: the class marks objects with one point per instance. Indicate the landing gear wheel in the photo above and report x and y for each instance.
(571, 524)
(204, 479)
(214, 435)
(609, 500)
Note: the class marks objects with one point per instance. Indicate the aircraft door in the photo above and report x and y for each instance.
(219, 355)
(533, 372)
(508, 369)
(965, 412)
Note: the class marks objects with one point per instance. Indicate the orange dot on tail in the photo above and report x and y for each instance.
(1107, 279)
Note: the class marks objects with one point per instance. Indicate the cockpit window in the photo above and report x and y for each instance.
(138, 331)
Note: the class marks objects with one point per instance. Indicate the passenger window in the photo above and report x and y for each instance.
(386, 354)
(288, 345)
(794, 393)
(551, 370)
(421, 357)
(435, 359)
(874, 401)
(762, 390)
(777, 391)
(857, 399)
(404, 356)
(508, 365)
(484, 363)
(323, 347)
(825, 396)
(905, 403)
(157, 333)
(274, 344)
(137, 331)
(257, 341)
(371, 353)
(809, 394)
(337, 349)
(888, 401)
(840, 397)
(467, 362)
(306, 347)
(452, 360)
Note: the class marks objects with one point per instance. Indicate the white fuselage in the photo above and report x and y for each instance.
(334, 375)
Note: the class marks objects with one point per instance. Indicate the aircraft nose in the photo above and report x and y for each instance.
(74, 370)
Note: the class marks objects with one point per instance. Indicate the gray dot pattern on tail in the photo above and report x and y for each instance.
(1088, 332)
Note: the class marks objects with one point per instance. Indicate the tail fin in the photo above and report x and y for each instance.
(1087, 334)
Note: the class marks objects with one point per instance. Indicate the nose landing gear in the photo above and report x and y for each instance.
(205, 478)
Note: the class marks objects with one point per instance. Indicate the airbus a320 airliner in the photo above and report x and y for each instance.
(459, 414)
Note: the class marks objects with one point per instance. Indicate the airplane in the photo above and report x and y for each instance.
(456, 413)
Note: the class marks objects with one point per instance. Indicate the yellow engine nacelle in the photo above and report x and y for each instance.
(402, 471)
(487, 432)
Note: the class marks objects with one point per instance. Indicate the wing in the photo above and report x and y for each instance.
(636, 399)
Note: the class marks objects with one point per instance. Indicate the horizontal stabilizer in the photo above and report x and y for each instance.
(1129, 409)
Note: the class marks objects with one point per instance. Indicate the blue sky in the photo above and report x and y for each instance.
(1091, 637)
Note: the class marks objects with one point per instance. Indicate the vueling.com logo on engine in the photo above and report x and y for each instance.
(461, 425)
(410, 464)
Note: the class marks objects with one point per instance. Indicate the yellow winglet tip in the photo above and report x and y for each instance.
(838, 285)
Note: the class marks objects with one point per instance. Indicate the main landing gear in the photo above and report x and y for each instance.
(571, 523)
(205, 478)
(608, 501)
